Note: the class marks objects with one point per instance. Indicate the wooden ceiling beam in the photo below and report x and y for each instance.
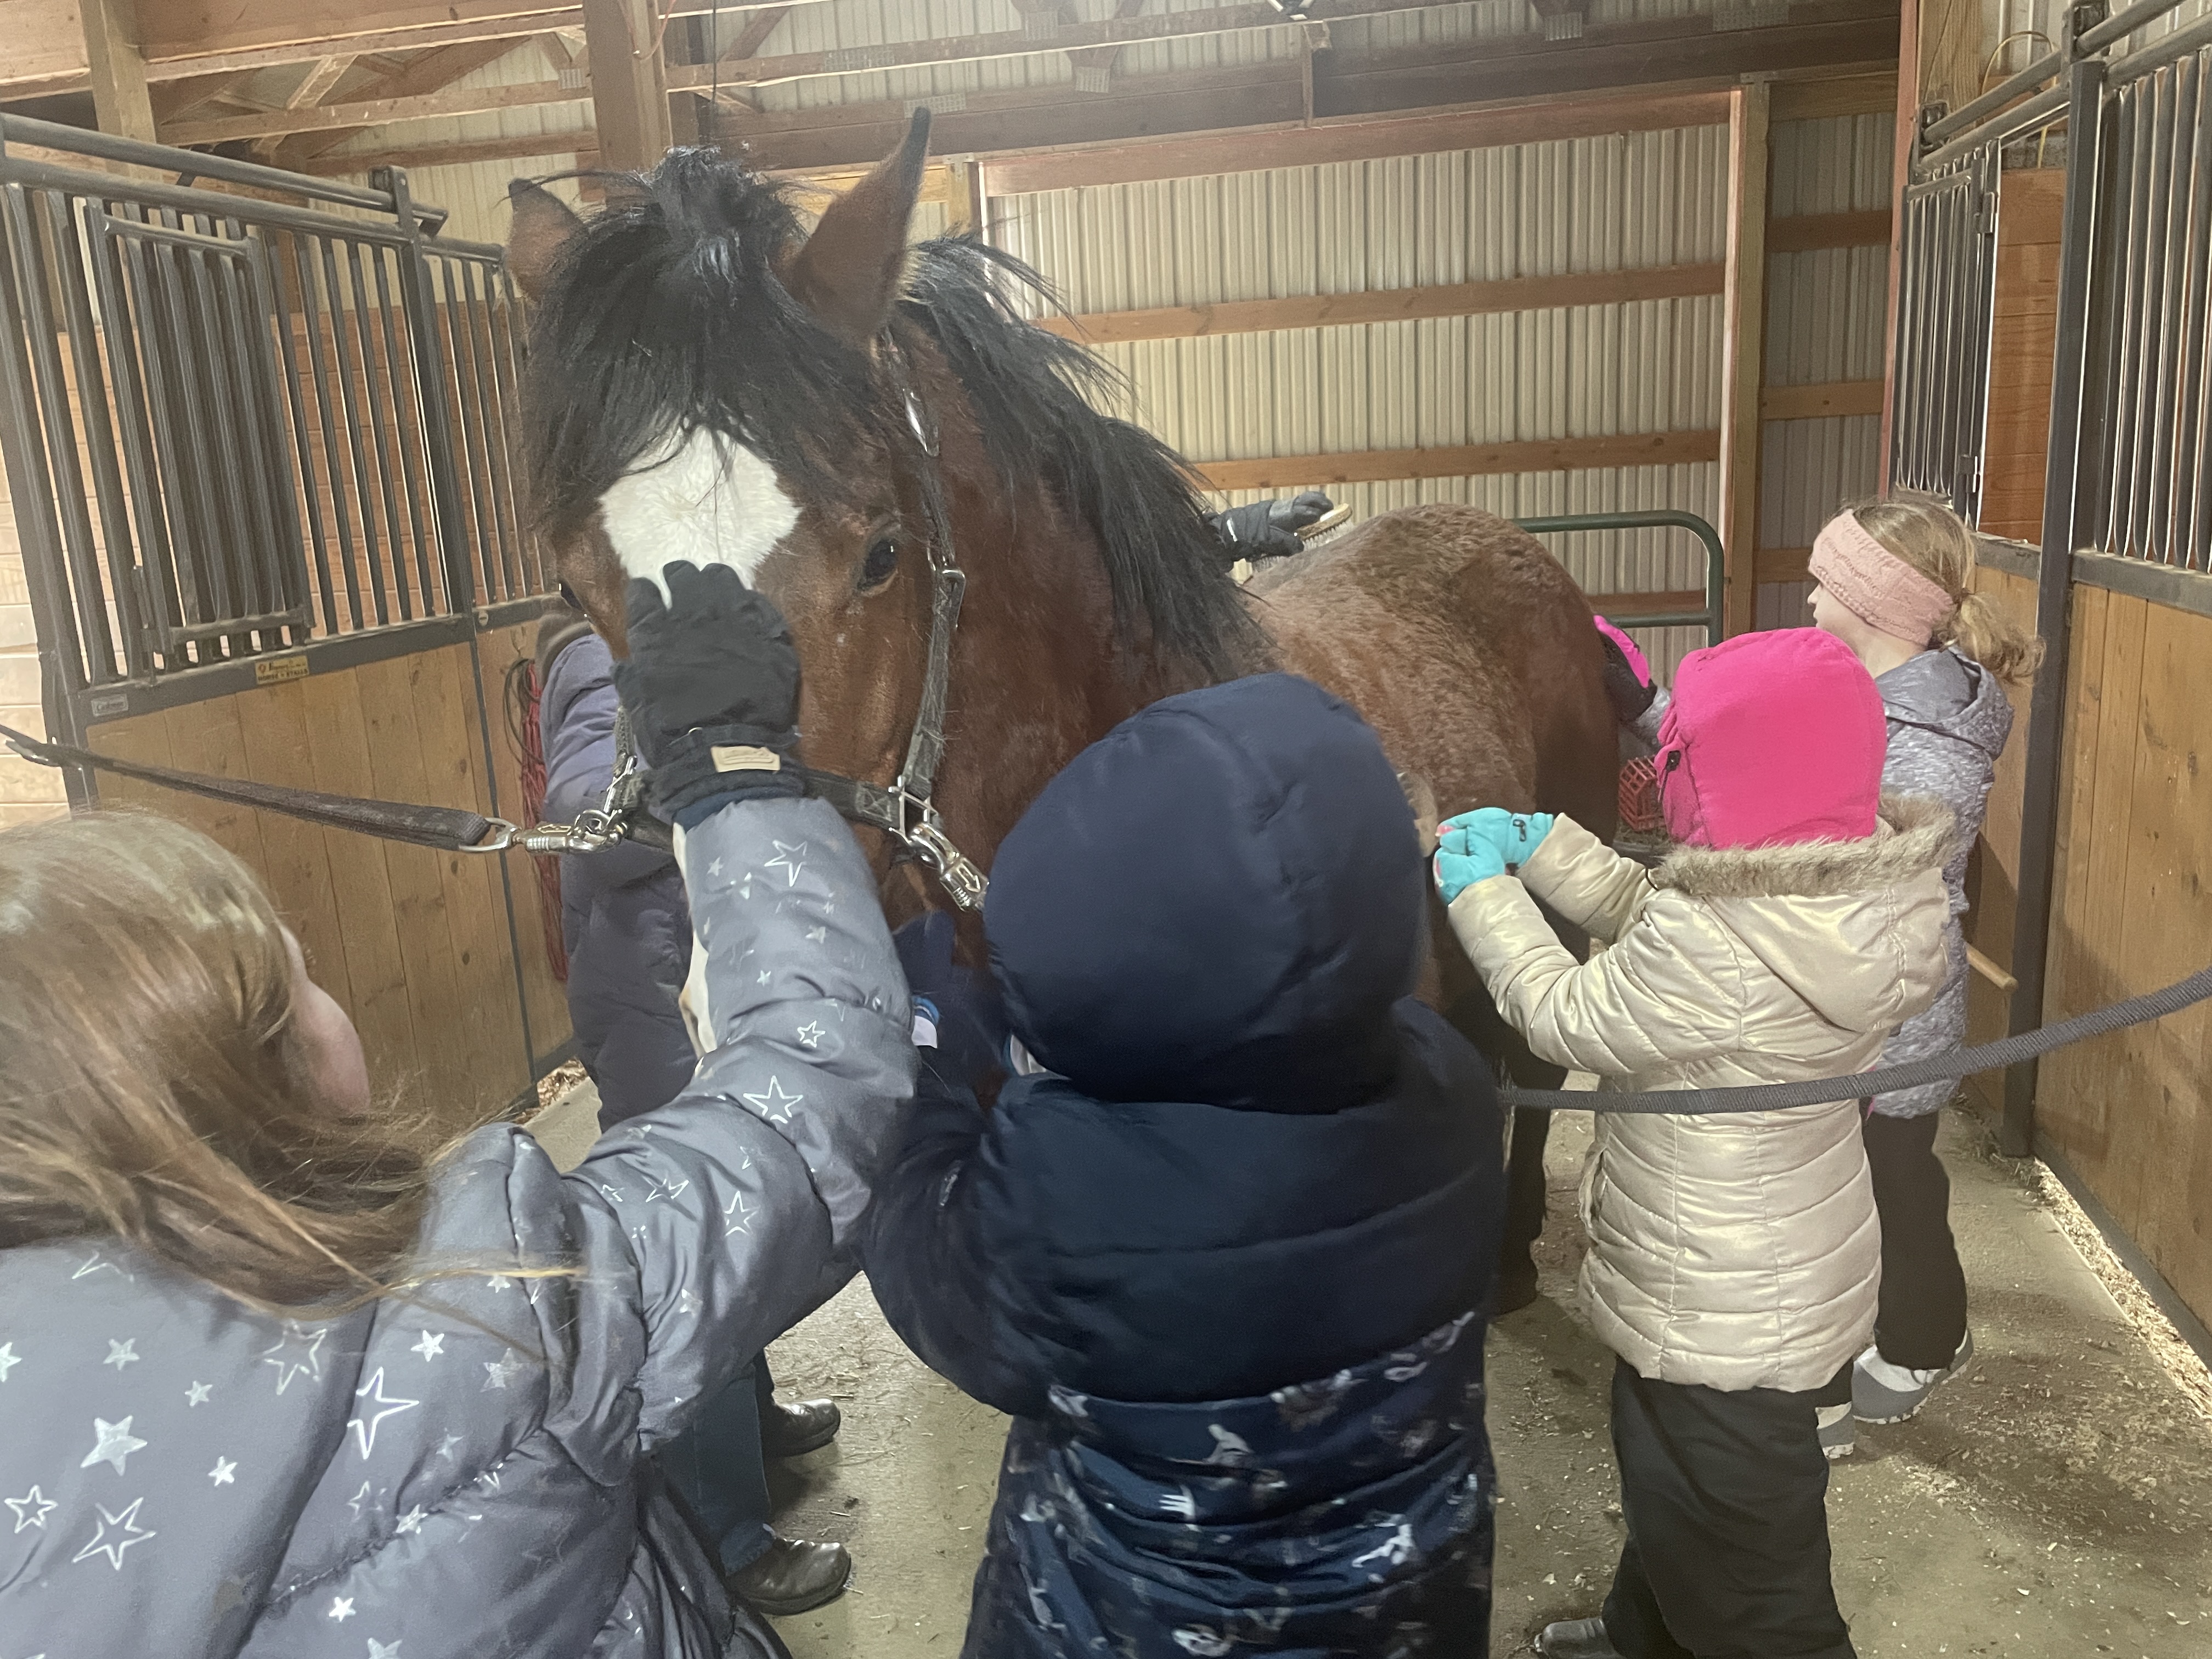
(1121, 30)
(1180, 125)
(427, 73)
(377, 112)
(1393, 305)
(583, 145)
(1461, 461)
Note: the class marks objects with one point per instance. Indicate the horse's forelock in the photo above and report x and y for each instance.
(668, 314)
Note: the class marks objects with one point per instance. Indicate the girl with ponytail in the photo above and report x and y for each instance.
(1893, 584)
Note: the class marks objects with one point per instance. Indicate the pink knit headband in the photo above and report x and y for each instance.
(1874, 585)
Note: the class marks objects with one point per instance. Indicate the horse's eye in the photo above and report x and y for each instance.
(877, 568)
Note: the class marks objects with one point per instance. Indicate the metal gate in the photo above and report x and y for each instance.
(239, 428)
(1947, 294)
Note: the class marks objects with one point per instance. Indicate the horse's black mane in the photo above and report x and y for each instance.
(668, 311)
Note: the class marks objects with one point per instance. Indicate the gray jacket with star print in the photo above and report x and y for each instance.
(464, 1472)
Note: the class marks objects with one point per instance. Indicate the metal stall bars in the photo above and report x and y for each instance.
(239, 430)
(2145, 468)
(2129, 467)
(1947, 297)
(1711, 616)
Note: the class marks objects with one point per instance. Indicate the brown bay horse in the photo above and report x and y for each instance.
(708, 380)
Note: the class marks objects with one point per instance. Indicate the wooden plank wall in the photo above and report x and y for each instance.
(414, 944)
(2132, 1112)
(2132, 911)
(2021, 338)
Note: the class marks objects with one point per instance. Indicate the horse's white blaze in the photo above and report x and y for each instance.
(704, 498)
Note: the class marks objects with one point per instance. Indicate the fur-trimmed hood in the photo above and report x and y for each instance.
(1827, 917)
(1914, 833)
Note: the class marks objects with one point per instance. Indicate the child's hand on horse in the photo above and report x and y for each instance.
(967, 1023)
(711, 683)
(1488, 842)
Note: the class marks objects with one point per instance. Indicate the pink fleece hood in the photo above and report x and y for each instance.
(1772, 738)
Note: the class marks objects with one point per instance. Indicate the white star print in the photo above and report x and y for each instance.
(1180, 1502)
(412, 1521)
(765, 976)
(501, 1371)
(353, 1502)
(445, 1446)
(384, 1650)
(198, 1393)
(742, 1214)
(489, 1481)
(745, 886)
(431, 1346)
(92, 1264)
(225, 1472)
(817, 935)
(31, 1509)
(686, 1302)
(341, 1608)
(500, 1282)
(296, 1334)
(115, 1443)
(112, 1548)
(122, 1353)
(773, 1102)
(9, 1359)
(373, 1389)
(810, 1034)
(715, 868)
(788, 859)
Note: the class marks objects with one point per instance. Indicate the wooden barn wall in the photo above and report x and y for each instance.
(2132, 1112)
(416, 945)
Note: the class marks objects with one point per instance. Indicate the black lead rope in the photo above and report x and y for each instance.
(448, 829)
(452, 828)
(1937, 1068)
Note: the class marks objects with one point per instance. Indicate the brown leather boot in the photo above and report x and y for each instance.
(792, 1576)
(794, 1431)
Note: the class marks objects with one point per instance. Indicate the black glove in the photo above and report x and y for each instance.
(961, 1003)
(711, 683)
(1269, 530)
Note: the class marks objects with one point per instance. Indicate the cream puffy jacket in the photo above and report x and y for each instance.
(1737, 1251)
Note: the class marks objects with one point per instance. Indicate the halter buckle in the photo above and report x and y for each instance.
(923, 832)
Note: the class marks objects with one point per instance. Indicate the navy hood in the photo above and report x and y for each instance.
(1218, 902)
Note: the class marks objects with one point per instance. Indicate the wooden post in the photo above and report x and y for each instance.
(630, 82)
(1743, 353)
(119, 71)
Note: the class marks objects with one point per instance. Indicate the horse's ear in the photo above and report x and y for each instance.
(542, 226)
(848, 273)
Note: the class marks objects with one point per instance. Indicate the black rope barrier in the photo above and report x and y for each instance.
(1860, 1085)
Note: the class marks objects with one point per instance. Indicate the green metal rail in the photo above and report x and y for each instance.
(1716, 561)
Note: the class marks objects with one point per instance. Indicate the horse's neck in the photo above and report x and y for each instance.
(1040, 671)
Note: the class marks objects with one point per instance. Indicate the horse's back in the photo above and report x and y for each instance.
(1469, 649)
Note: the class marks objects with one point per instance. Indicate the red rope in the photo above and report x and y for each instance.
(522, 726)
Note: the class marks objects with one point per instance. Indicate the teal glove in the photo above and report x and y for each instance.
(1486, 842)
(1460, 864)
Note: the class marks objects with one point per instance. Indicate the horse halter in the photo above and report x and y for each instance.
(903, 809)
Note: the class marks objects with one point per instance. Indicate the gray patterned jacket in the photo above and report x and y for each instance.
(1949, 720)
(462, 1473)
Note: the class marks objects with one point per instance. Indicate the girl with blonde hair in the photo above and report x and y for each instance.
(1895, 584)
(278, 1378)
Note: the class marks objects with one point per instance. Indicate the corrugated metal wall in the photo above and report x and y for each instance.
(1825, 316)
(1595, 205)
(475, 192)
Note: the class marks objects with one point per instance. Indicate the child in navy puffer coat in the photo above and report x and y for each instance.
(1225, 1257)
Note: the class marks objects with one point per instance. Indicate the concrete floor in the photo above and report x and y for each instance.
(2052, 1505)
